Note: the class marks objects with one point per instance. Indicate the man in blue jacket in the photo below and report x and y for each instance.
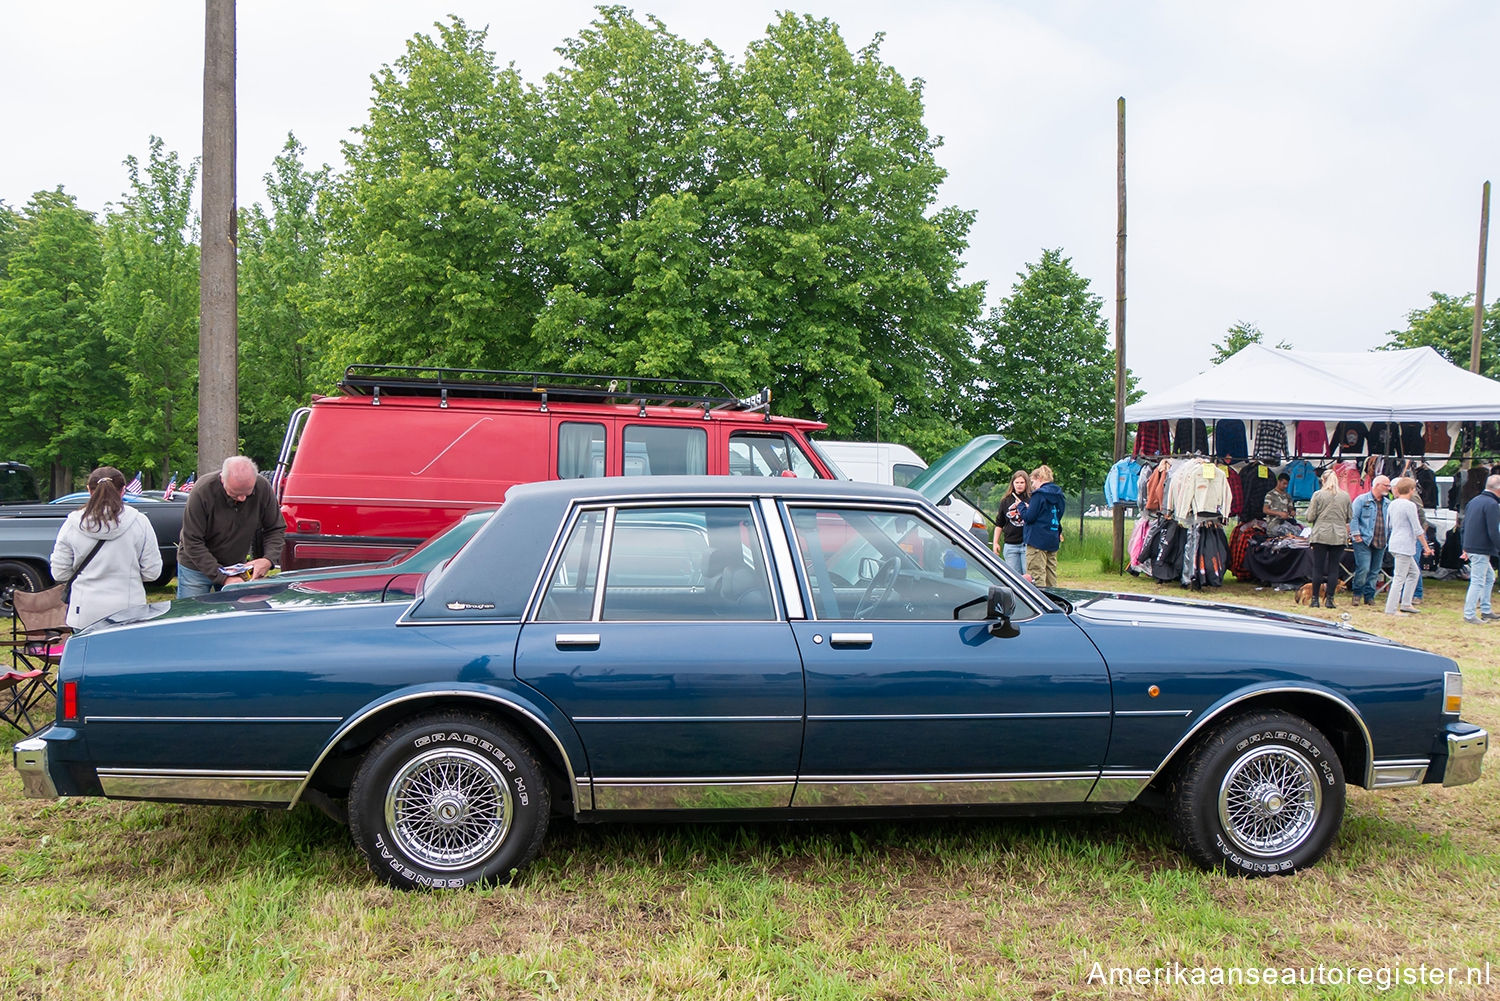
(1369, 532)
(1481, 541)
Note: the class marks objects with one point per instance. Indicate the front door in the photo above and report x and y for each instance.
(908, 704)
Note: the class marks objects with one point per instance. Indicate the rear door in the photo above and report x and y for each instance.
(680, 671)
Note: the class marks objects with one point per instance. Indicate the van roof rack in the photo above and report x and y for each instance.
(640, 391)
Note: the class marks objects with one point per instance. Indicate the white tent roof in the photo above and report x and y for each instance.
(1261, 383)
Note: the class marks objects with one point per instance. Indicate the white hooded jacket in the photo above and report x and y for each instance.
(113, 580)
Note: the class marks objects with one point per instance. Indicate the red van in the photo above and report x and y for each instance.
(403, 452)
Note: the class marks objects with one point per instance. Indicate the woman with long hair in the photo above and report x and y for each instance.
(124, 552)
(1010, 531)
(1328, 516)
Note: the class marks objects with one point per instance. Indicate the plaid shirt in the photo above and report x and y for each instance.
(1270, 440)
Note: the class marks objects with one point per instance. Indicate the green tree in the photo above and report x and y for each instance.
(625, 146)
(10, 222)
(1447, 326)
(51, 346)
(149, 310)
(1238, 337)
(281, 273)
(1048, 374)
(428, 227)
(839, 284)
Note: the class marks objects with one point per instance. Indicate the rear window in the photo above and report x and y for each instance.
(665, 451)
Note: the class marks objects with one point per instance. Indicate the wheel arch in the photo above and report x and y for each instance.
(332, 770)
(1331, 713)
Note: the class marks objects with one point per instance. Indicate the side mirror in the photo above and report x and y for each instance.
(998, 609)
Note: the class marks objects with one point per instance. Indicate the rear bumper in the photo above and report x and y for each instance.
(1466, 745)
(30, 757)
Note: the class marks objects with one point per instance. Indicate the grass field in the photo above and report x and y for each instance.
(106, 900)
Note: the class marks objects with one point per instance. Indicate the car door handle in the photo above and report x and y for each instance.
(577, 639)
(851, 639)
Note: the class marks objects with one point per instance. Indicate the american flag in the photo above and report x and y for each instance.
(166, 492)
(188, 485)
(134, 486)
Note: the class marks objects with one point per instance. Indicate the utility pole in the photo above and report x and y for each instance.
(218, 278)
(1484, 238)
(1119, 512)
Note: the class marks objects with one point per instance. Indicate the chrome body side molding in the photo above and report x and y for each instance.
(190, 784)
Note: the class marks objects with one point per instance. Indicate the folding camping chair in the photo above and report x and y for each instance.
(38, 632)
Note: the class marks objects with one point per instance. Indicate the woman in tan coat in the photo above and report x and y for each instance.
(1328, 515)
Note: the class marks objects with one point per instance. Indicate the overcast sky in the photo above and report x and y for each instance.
(1313, 168)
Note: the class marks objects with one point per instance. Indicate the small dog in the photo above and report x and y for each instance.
(1305, 592)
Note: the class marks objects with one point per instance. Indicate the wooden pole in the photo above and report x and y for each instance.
(1118, 552)
(218, 277)
(1484, 237)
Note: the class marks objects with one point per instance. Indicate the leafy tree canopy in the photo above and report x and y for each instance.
(1239, 336)
(1447, 326)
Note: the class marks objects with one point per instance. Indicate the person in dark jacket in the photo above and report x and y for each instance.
(228, 514)
(1042, 517)
(1481, 541)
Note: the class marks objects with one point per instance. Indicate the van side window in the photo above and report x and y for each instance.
(580, 450)
(752, 454)
(903, 473)
(665, 451)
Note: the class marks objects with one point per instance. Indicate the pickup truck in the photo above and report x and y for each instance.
(27, 532)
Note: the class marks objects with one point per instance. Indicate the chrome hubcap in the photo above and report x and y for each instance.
(1270, 801)
(449, 808)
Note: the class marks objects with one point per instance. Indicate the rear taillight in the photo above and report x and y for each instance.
(70, 700)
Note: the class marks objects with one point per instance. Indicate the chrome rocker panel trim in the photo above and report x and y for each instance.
(193, 784)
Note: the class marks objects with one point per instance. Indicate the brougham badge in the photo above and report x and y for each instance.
(459, 606)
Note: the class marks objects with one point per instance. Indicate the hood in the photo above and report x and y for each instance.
(107, 531)
(1047, 491)
(944, 476)
(1130, 607)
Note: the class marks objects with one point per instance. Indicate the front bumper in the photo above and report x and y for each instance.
(1466, 747)
(30, 757)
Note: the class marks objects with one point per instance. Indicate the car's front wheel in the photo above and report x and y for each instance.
(1261, 794)
(446, 800)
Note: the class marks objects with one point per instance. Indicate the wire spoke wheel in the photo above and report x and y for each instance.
(449, 808)
(1270, 801)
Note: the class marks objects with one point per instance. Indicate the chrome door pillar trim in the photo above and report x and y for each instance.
(781, 556)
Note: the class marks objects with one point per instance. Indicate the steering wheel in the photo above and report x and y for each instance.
(871, 600)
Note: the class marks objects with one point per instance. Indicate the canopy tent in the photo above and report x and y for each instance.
(1261, 383)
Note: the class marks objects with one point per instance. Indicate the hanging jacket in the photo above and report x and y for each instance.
(1304, 479)
(1043, 517)
(1156, 487)
(1212, 556)
(1191, 436)
(1436, 439)
(1166, 558)
(1229, 440)
(1413, 438)
(1121, 484)
(1426, 486)
(1256, 480)
(1384, 437)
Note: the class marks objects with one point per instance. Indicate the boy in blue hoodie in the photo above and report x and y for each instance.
(1042, 517)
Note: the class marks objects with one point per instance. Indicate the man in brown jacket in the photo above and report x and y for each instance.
(230, 516)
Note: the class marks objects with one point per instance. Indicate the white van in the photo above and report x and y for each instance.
(887, 462)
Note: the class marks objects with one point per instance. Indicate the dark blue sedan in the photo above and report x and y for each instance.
(740, 648)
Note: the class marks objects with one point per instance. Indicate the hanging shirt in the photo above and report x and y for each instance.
(1152, 438)
(1312, 438)
(1270, 440)
(1191, 435)
(1348, 439)
(1121, 484)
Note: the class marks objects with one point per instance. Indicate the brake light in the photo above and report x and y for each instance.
(70, 700)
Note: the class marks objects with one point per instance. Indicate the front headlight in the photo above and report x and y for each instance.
(1453, 692)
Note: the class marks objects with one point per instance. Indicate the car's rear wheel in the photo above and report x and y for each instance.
(446, 800)
(17, 576)
(1261, 794)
